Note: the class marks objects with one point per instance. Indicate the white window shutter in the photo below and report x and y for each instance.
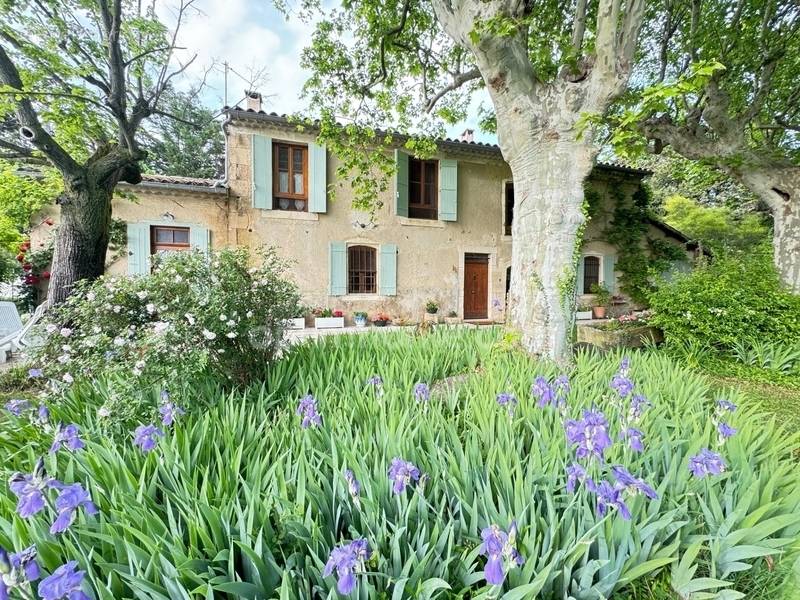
(138, 248)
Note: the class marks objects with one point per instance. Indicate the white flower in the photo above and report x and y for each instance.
(117, 308)
(231, 323)
(119, 341)
(230, 334)
(66, 332)
(150, 308)
(67, 377)
(103, 411)
(252, 270)
(90, 296)
(66, 348)
(96, 329)
(160, 326)
(63, 359)
(141, 295)
(178, 278)
(50, 328)
(190, 318)
(209, 335)
(249, 314)
(223, 318)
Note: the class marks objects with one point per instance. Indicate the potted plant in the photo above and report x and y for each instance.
(325, 318)
(452, 318)
(583, 312)
(602, 297)
(360, 318)
(381, 319)
(431, 308)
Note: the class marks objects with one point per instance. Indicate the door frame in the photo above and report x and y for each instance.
(462, 255)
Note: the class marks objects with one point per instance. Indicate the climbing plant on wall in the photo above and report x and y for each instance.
(639, 259)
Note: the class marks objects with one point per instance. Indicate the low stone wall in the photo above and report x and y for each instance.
(627, 337)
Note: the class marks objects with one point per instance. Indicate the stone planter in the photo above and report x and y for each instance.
(380, 323)
(583, 315)
(626, 337)
(329, 322)
(452, 320)
(297, 323)
(431, 317)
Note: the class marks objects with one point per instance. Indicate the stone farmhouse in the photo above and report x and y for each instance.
(442, 232)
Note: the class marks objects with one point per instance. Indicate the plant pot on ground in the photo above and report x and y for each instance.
(381, 319)
(431, 307)
(602, 298)
(583, 312)
(360, 318)
(452, 318)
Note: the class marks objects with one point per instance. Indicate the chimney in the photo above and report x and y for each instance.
(467, 136)
(253, 100)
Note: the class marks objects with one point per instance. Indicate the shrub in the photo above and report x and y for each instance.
(191, 315)
(242, 501)
(729, 299)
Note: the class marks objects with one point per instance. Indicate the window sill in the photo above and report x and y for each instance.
(408, 222)
(291, 215)
(375, 296)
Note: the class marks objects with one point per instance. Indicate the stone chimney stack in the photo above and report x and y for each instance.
(467, 136)
(253, 100)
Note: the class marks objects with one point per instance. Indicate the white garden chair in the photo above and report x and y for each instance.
(13, 334)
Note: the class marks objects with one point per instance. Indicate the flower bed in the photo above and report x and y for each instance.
(355, 473)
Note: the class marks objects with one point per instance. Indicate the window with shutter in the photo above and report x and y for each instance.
(591, 272)
(361, 270)
(423, 189)
(289, 177)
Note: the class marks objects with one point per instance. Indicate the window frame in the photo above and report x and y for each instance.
(600, 270)
(419, 210)
(277, 195)
(172, 246)
(363, 272)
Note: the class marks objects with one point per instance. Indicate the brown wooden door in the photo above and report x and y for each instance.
(476, 286)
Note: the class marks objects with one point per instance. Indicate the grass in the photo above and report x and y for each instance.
(239, 502)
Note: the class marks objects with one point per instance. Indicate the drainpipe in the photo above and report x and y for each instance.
(224, 181)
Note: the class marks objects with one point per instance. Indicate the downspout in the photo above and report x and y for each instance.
(224, 181)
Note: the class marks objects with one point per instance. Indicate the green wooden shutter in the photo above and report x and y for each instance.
(138, 248)
(317, 178)
(388, 270)
(337, 269)
(609, 281)
(579, 278)
(401, 183)
(199, 238)
(448, 190)
(261, 169)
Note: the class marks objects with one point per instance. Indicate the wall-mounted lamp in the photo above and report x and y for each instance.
(168, 216)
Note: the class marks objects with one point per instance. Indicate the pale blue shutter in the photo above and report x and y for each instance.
(261, 169)
(579, 278)
(401, 183)
(448, 189)
(199, 238)
(609, 281)
(138, 248)
(387, 274)
(337, 269)
(318, 179)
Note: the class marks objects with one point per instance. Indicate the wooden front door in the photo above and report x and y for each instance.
(476, 286)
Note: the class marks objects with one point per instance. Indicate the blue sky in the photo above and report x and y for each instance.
(251, 35)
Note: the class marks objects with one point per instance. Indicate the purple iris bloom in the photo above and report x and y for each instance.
(726, 405)
(402, 473)
(164, 395)
(169, 412)
(146, 437)
(622, 385)
(29, 490)
(543, 391)
(624, 365)
(631, 483)
(561, 385)
(35, 373)
(70, 499)
(705, 463)
(638, 405)
(634, 437)
(43, 413)
(609, 496)
(508, 400)
(17, 406)
(64, 583)
(577, 474)
(725, 431)
(347, 560)
(25, 562)
(67, 437)
(422, 392)
(307, 408)
(589, 434)
(500, 549)
(353, 485)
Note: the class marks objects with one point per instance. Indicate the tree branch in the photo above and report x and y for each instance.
(459, 79)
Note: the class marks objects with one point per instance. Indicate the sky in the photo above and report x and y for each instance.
(253, 36)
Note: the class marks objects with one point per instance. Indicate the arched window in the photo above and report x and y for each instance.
(591, 273)
(361, 270)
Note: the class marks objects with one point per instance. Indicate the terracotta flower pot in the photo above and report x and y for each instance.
(599, 312)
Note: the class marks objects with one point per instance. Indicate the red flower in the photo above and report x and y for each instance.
(45, 274)
(338, 313)
(31, 279)
(27, 266)
(20, 257)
